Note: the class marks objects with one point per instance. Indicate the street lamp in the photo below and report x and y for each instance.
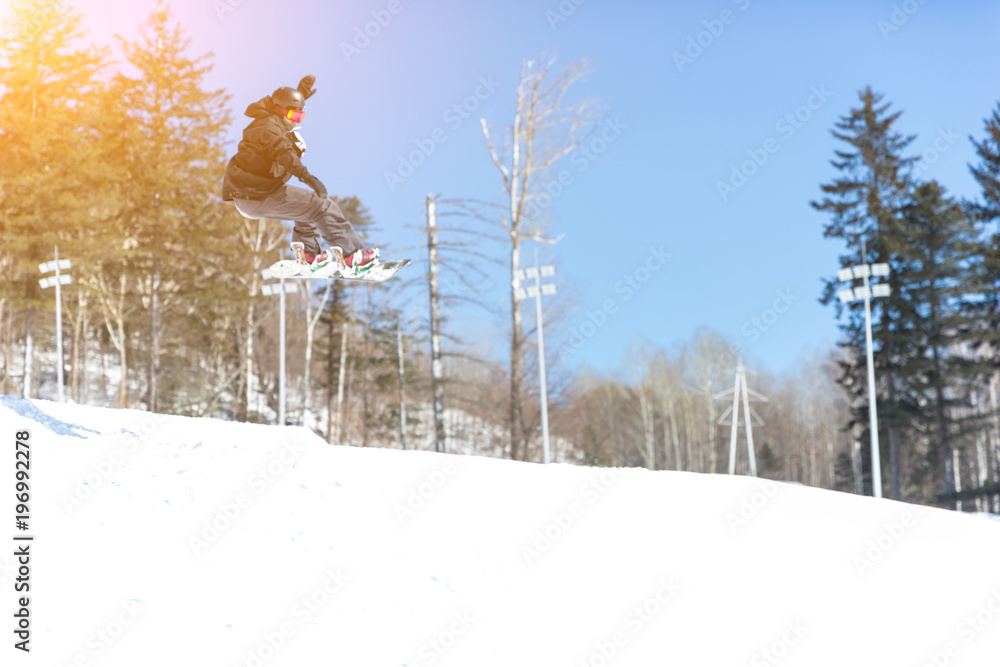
(280, 288)
(866, 292)
(57, 280)
(538, 290)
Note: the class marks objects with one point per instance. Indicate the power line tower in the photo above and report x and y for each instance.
(732, 416)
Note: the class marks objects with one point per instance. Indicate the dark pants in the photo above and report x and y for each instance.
(313, 217)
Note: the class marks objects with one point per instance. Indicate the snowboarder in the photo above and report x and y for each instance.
(257, 177)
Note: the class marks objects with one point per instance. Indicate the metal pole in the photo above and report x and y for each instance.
(59, 340)
(735, 418)
(748, 418)
(402, 385)
(541, 362)
(281, 352)
(872, 411)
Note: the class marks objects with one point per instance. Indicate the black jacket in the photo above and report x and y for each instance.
(265, 159)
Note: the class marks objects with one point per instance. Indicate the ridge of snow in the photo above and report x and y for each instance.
(164, 540)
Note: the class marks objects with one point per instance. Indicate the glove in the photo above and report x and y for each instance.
(298, 142)
(316, 185)
(306, 86)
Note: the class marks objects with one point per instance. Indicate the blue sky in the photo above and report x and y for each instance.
(679, 129)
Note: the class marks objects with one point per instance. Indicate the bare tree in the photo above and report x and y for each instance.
(262, 239)
(457, 274)
(546, 128)
(437, 368)
(117, 310)
(313, 314)
(341, 375)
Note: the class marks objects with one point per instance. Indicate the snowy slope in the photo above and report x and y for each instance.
(177, 541)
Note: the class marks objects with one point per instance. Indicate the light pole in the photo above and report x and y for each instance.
(280, 288)
(58, 280)
(537, 290)
(866, 292)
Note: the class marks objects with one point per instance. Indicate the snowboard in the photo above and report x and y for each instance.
(383, 270)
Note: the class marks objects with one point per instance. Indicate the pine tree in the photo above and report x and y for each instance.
(335, 320)
(987, 172)
(987, 212)
(864, 202)
(173, 147)
(933, 249)
(986, 310)
(48, 91)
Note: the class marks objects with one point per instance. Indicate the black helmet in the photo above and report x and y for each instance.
(288, 98)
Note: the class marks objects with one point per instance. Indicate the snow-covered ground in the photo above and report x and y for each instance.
(175, 541)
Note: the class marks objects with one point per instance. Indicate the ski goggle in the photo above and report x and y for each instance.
(295, 115)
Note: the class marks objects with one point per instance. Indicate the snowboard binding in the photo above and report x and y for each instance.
(299, 250)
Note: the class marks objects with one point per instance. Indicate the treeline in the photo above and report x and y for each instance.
(937, 334)
(119, 171)
(936, 346)
(119, 166)
(667, 416)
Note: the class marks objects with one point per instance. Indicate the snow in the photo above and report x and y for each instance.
(165, 540)
(28, 410)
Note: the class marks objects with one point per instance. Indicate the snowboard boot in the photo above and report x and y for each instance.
(322, 260)
(358, 262)
(354, 264)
